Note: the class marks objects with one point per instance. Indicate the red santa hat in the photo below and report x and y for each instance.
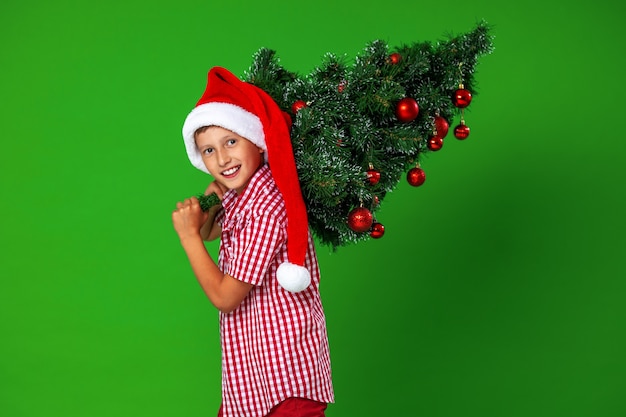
(251, 113)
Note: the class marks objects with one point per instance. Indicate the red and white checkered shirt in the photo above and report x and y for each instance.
(274, 345)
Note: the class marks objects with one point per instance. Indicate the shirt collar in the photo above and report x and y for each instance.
(257, 184)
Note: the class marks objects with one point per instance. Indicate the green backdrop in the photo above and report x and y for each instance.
(497, 291)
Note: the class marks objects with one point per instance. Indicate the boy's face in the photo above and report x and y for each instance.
(231, 159)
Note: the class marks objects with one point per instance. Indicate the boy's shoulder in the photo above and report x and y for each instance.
(266, 198)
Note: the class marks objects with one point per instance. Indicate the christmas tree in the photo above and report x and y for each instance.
(357, 129)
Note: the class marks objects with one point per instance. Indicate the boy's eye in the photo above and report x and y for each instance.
(232, 141)
(207, 151)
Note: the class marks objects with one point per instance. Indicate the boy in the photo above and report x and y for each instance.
(275, 356)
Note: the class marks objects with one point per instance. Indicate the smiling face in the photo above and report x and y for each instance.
(231, 159)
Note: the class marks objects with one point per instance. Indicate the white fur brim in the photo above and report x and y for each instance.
(226, 115)
(292, 277)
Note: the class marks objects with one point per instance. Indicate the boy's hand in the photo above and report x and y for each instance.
(217, 188)
(188, 218)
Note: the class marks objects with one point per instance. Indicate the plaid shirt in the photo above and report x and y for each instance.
(274, 345)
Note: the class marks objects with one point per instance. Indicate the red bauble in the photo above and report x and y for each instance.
(378, 230)
(360, 219)
(416, 176)
(435, 143)
(407, 110)
(441, 126)
(341, 86)
(462, 98)
(373, 176)
(462, 131)
(297, 106)
(395, 58)
(288, 119)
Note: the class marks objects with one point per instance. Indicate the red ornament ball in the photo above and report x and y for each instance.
(288, 120)
(416, 176)
(435, 143)
(395, 58)
(297, 106)
(407, 110)
(373, 176)
(441, 126)
(462, 98)
(378, 230)
(462, 131)
(360, 219)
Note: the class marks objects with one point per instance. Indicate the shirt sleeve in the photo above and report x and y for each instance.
(219, 217)
(254, 248)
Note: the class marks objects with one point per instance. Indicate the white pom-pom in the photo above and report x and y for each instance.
(292, 277)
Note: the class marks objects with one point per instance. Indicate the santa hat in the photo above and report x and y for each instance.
(251, 113)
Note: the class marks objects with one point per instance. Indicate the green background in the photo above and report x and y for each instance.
(497, 291)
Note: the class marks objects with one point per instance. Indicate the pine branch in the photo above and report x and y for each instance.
(208, 201)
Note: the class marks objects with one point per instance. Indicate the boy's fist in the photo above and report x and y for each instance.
(188, 218)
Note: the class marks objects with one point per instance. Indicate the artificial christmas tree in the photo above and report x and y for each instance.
(357, 129)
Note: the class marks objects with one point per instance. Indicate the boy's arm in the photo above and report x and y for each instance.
(224, 291)
(211, 230)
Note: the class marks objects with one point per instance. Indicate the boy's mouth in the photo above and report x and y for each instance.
(231, 171)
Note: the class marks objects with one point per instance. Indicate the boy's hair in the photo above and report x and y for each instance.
(200, 130)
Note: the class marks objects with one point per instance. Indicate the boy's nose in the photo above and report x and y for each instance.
(223, 158)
